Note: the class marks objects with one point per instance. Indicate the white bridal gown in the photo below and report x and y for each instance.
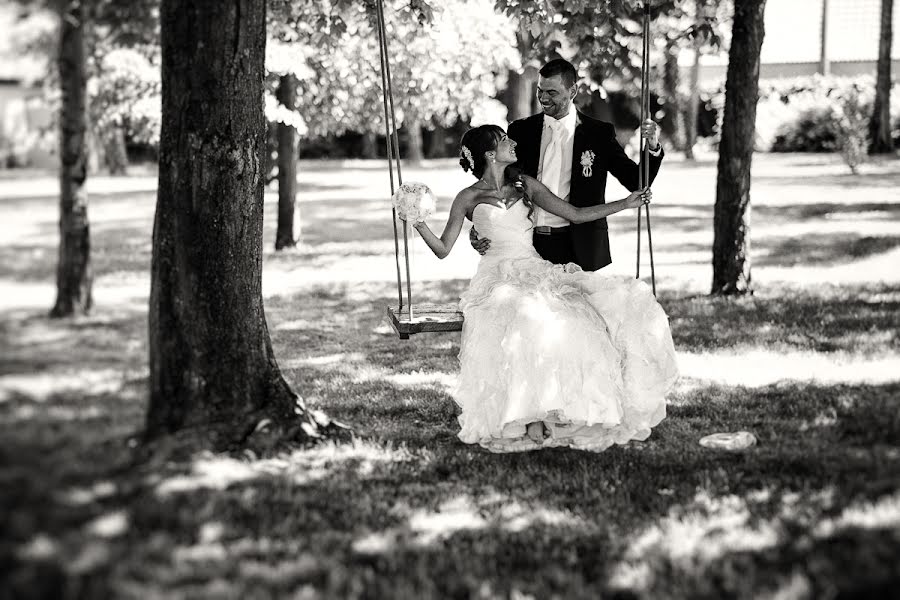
(588, 354)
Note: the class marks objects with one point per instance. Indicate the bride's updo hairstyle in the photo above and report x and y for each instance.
(475, 143)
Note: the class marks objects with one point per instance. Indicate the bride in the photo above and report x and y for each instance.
(550, 355)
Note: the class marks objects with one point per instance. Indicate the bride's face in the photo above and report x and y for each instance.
(506, 150)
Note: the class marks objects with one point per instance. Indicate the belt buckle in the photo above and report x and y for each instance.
(543, 230)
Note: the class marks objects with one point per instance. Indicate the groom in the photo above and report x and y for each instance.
(571, 154)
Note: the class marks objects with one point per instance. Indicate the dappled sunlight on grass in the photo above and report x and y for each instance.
(40, 387)
(300, 467)
(691, 537)
(756, 368)
(460, 514)
(714, 545)
(883, 513)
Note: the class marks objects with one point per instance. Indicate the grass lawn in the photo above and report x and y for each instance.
(810, 364)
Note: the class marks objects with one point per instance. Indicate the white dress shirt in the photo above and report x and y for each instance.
(565, 128)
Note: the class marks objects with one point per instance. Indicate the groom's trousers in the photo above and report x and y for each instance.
(555, 245)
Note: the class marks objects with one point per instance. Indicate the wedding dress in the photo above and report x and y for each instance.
(588, 354)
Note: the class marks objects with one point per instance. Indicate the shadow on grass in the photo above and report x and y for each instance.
(845, 180)
(858, 319)
(819, 210)
(414, 514)
(824, 249)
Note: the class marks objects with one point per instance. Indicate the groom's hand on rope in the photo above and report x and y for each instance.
(481, 245)
(639, 198)
(650, 132)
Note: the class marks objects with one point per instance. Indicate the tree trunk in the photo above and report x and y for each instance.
(287, 167)
(693, 107)
(824, 62)
(671, 78)
(731, 222)
(414, 136)
(212, 369)
(115, 153)
(73, 272)
(369, 145)
(435, 148)
(880, 125)
(518, 95)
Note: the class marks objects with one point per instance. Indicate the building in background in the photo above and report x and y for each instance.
(797, 44)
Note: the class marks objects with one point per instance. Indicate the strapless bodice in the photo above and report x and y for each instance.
(509, 229)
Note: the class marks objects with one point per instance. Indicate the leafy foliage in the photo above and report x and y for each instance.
(604, 38)
(445, 63)
(127, 94)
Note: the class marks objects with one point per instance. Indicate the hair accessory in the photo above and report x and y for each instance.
(467, 154)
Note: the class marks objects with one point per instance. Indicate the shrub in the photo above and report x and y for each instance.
(814, 114)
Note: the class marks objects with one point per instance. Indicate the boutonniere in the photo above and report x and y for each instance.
(587, 163)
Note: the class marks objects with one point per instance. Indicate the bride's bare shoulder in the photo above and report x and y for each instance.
(466, 196)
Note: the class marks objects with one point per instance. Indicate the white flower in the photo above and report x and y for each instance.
(587, 163)
(414, 201)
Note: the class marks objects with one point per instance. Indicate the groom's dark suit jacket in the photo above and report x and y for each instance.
(590, 240)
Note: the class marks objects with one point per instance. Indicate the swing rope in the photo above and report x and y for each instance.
(644, 165)
(392, 144)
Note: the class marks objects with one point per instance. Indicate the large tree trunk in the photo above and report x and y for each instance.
(731, 222)
(287, 167)
(73, 272)
(212, 369)
(880, 125)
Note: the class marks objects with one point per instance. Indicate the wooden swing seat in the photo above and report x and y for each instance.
(427, 318)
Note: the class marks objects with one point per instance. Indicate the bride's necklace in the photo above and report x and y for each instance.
(490, 186)
(497, 193)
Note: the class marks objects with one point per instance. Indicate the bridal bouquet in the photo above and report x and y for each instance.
(414, 202)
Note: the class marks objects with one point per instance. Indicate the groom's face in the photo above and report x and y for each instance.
(555, 96)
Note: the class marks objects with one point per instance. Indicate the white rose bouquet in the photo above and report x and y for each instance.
(414, 202)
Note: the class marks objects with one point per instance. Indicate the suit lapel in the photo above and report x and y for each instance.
(534, 148)
(578, 145)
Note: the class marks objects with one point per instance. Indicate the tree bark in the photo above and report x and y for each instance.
(212, 368)
(73, 273)
(287, 167)
(880, 124)
(731, 222)
(414, 137)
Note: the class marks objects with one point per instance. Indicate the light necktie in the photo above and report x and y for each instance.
(552, 167)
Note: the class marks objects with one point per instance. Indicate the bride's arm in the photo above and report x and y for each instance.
(441, 246)
(550, 202)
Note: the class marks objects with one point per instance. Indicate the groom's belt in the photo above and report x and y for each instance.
(546, 230)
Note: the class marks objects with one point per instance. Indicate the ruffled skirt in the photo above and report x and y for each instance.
(591, 356)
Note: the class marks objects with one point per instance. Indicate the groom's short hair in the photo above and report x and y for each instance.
(561, 67)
